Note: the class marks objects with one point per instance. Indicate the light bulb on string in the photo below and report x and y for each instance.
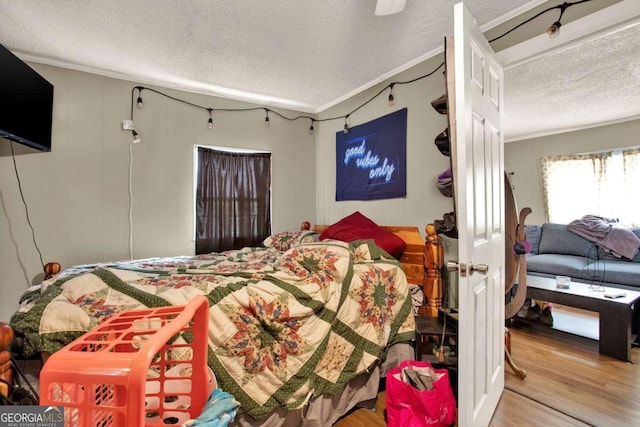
(311, 129)
(346, 125)
(391, 99)
(554, 30)
(139, 103)
(266, 119)
(210, 122)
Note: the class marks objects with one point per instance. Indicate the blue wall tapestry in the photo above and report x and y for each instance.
(371, 159)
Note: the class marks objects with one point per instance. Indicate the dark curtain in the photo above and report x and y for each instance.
(233, 200)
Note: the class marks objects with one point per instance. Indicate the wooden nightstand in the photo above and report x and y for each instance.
(428, 334)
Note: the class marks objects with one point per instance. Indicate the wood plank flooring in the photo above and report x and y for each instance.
(568, 383)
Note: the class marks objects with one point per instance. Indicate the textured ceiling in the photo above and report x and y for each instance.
(584, 84)
(302, 54)
(308, 55)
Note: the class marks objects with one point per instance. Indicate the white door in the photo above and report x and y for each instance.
(478, 163)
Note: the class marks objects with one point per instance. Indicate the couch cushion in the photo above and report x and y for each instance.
(533, 233)
(621, 272)
(557, 239)
(559, 265)
(636, 231)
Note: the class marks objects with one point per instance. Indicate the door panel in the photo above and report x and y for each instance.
(478, 165)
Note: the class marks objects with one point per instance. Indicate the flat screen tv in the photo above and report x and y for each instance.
(26, 103)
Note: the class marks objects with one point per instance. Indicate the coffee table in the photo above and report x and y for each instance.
(616, 315)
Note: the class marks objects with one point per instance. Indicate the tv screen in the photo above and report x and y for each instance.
(26, 103)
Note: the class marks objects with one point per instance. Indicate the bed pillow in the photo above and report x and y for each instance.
(358, 227)
(284, 240)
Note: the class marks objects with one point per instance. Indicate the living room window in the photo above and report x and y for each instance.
(603, 184)
(232, 198)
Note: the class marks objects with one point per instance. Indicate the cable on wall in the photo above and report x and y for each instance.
(134, 141)
(130, 201)
(26, 208)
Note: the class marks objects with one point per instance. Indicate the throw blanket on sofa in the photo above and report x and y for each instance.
(283, 326)
(613, 237)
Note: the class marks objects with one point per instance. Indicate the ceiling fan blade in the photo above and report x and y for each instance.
(389, 7)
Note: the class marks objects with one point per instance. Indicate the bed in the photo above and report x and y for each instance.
(300, 330)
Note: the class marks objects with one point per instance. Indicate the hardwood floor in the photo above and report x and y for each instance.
(366, 417)
(566, 373)
(568, 383)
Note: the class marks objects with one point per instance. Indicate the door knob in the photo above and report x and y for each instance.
(462, 268)
(454, 266)
(480, 268)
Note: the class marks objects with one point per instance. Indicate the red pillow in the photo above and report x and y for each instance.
(358, 227)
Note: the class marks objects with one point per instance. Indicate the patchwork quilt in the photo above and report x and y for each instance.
(284, 326)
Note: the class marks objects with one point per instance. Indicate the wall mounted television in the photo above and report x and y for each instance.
(26, 103)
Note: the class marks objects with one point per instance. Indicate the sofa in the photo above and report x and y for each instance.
(557, 251)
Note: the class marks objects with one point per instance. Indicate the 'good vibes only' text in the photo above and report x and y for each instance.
(366, 160)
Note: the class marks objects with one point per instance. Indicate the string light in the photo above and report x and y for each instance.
(139, 101)
(552, 31)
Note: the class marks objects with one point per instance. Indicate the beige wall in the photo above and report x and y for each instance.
(78, 193)
(423, 202)
(523, 158)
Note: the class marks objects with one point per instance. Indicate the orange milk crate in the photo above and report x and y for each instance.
(138, 368)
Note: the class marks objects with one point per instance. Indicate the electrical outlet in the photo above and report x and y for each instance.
(127, 125)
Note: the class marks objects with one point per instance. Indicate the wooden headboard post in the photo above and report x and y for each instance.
(433, 263)
(6, 372)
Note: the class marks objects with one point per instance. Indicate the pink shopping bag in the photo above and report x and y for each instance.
(407, 406)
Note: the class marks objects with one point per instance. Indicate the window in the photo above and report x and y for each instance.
(233, 199)
(604, 184)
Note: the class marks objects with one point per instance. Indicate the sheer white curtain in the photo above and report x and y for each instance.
(630, 206)
(604, 184)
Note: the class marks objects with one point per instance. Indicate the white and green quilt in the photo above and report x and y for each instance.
(284, 326)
